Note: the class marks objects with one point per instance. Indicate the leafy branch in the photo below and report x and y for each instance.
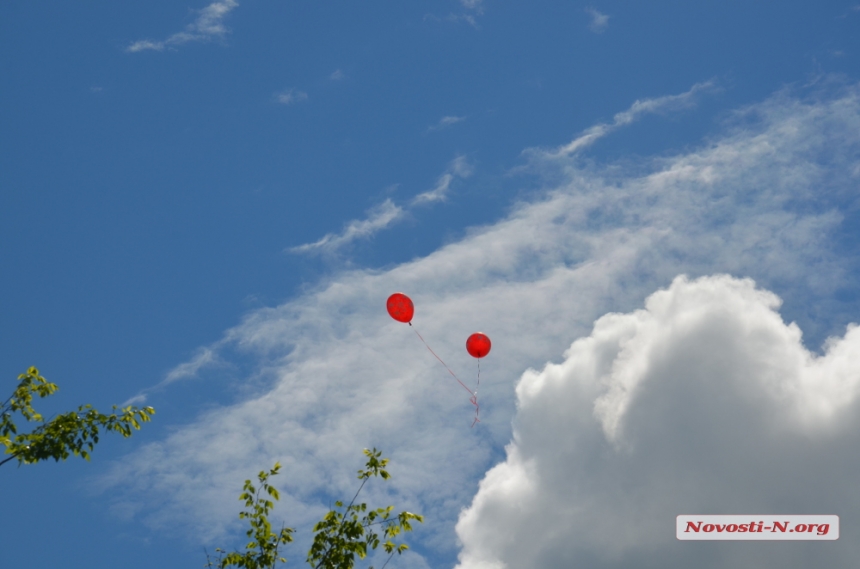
(262, 552)
(76, 432)
(342, 535)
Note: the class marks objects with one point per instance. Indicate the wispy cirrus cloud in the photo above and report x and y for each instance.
(445, 122)
(205, 357)
(459, 168)
(639, 108)
(208, 25)
(387, 213)
(599, 21)
(379, 218)
(473, 9)
(855, 8)
(291, 96)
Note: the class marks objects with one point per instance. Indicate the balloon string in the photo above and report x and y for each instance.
(440, 361)
(474, 396)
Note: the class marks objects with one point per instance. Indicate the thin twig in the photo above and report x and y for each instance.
(389, 559)
(2, 462)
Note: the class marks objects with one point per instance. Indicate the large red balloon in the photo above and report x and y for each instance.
(478, 345)
(400, 307)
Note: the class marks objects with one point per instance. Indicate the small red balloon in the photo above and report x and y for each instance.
(478, 345)
(400, 307)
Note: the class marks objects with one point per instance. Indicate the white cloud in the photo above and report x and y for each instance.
(208, 25)
(445, 122)
(459, 168)
(143, 45)
(477, 5)
(378, 219)
(336, 75)
(387, 213)
(684, 100)
(291, 96)
(599, 22)
(205, 357)
(705, 401)
(473, 9)
(760, 200)
(138, 399)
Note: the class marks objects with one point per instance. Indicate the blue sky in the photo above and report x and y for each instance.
(204, 207)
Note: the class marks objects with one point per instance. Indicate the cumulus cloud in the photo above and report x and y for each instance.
(599, 22)
(705, 401)
(208, 25)
(459, 168)
(291, 96)
(763, 199)
(378, 219)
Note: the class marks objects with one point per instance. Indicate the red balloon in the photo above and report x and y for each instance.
(400, 307)
(478, 345)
